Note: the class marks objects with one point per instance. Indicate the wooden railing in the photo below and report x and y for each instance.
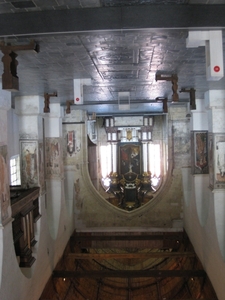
(25, 212)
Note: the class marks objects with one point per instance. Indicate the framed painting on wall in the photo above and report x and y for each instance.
(129, 158)
(199, 141)
(70, 147)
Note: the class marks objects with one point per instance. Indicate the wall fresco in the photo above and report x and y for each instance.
(129, 158)
(53, 158)
(216, 161)
(4, 185)
(211, 160)
(199, 142)
(29, 163)
(220, 158)
(70, 142)
(41, 167)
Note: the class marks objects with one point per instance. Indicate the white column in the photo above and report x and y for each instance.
(215, 103)
(54, 166)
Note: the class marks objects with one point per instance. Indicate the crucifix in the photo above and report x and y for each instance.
(10, 80)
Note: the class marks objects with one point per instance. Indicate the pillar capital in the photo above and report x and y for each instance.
(215, 103)
(215, 98)
(29, 105)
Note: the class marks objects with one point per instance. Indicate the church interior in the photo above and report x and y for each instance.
(112, 150)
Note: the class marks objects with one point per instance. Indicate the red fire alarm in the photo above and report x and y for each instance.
(216, 68)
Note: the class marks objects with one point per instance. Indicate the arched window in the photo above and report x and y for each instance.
(15, 170)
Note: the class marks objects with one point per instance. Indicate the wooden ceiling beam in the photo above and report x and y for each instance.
(127, 237)
(129, 274)
(130, 255)
(140, 241)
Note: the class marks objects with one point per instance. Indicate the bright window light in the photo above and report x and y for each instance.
(154, 159)
(106, 182)
(155, 164)
(15, 170)
(106, 164)
(105, 158)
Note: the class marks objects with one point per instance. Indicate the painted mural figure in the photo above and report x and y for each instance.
(29, 164)
(2, 179)
(4, 190)
(220, 149)
(130, 158)
(129, 182)
(70, 142)
(201, 151)
(53, 163)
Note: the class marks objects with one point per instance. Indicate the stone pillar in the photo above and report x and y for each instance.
(5, 105)
(53, 143)
(179, 124)
(75, 162)
(54, 167)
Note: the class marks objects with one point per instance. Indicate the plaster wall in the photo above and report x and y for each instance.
(53, 122)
